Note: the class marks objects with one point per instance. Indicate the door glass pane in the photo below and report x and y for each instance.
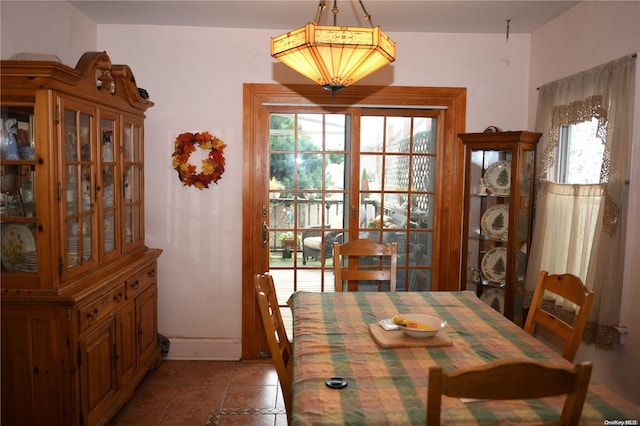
(136, 187)
(371, 133)
(78, 241)
(18, 195)
(79, 186)
(86, 188)
(398, 185)
(109, 156)
(19, 247)
(310, 192)
(423, 174)
(85, 137)
(335, 132)
(85, 232)
(132, 185)
(109, 231)
(127, 225)
(137, 229)
(306, 192)
(398, 131)
(108, 174)
(72, 190)
(107, 140)
(137, 153)
(128, 178)
(128, 146)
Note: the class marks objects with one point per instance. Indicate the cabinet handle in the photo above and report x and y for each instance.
(93, 315)
(135, 285)
(152, 273)
(117, 297)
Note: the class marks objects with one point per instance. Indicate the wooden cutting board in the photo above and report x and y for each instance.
(397, 339)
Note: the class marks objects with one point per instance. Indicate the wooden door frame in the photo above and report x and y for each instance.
(256, 178)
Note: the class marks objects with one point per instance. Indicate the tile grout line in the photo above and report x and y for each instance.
(215, 415)
(178, 385)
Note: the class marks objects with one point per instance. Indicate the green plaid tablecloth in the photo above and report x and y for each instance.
(389, 386)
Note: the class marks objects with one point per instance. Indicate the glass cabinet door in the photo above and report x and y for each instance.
(133, 185)
(18, 201)
(79, 189)
(109, 155)
(488, 223)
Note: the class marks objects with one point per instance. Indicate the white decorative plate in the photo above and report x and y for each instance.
(494, 297)
(495, 222)
(497, 177)
(494, 264)
(16, 240)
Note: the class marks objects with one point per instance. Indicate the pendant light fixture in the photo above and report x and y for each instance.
(332, 56)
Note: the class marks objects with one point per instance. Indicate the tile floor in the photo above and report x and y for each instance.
(198, 393)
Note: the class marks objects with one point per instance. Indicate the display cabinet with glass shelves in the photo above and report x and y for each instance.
(498, 210)
(18, 206)
(79, 286)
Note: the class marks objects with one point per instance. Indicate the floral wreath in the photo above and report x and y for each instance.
(212, 166)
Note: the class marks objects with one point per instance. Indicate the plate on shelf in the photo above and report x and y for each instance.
(16, 241)
(497, 177)
(495, 222)
(494, 297)
(494, 264)
(21, 267)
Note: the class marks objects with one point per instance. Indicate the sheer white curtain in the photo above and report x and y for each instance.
(566, 215)
(564, 228)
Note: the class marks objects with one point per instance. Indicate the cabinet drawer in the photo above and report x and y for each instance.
(102, 307)
(140, 281)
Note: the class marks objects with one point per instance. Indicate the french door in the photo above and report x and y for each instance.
(324, 173)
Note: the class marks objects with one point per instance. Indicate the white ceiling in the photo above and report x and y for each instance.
(453, 16)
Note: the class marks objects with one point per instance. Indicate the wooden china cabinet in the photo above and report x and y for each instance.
(79, 286)
(498, 210)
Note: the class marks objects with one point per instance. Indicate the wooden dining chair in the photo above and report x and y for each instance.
(279, 344)
(364, 260)
(511, 379)
(571, 288)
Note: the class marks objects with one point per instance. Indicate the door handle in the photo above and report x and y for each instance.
(265, 234)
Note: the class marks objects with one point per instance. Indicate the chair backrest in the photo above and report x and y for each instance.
(279, 344)
(511, 379)
(364, 260)
(571, 288)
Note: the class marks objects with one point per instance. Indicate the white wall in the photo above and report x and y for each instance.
(195, 77)
(588, 35)
(45, 27)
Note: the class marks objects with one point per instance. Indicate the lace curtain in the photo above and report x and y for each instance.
(566, 215)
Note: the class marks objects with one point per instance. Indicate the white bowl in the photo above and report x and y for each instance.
(435, 324)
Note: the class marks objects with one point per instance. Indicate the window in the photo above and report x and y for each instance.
(603, 95)
(580, 152)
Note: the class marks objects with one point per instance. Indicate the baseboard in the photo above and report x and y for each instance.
(204, 349)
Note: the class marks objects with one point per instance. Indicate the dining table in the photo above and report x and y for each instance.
(380, 377)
